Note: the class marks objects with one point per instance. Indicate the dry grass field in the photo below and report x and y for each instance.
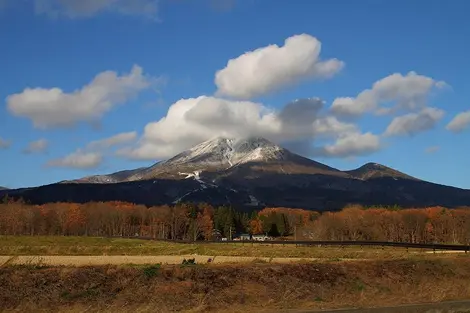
(94, 246)
(84, 274)
(253, 287)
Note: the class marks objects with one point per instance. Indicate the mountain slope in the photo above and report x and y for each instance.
(106, 179)
(251, 172)
(3, 188)
(223, 154)
(374, 170)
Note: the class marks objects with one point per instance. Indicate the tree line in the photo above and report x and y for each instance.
(189, 221)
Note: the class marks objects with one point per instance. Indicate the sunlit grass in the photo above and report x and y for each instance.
(67, 245)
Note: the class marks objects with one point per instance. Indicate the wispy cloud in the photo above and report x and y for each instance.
(432, 149)
(4, 144)
(75, 9)
(37, 146)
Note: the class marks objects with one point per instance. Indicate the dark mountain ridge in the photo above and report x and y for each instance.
(375, 170)
(105, 179)
(251, 172)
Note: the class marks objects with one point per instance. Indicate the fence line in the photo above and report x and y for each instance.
(430, 246)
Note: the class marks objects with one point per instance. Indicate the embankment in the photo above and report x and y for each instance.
(232, 288)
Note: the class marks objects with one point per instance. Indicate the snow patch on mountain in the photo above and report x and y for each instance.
(215, 155)
(195, 175)
(108, 178)
(253, 201)
(184, 196)
(229, 151)
(212, 151)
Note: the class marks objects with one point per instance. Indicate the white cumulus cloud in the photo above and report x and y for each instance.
(90, 8)
(79, 159)
(413, 123)
(460, 122)
(191, 121)
(269, 68)
(405, 92)
(352, 144)
(37, 146)
(94, 152)
(48, 108)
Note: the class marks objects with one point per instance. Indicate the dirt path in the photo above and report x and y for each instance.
(80, 260)
(445, 252)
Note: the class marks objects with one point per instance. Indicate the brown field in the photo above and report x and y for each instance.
(95, 246)
(253, 287)
(86, 274)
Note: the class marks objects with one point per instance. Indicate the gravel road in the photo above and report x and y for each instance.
(136, 259)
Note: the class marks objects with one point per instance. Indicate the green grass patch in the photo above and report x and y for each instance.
(152, 270)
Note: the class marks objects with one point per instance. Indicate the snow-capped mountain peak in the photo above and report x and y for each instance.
(210, 151)
(219, 153)
(229, 151)
(256, 149)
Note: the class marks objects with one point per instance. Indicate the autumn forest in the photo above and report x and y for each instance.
(204, 222)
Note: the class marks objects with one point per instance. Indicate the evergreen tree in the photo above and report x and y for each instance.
(229, 224)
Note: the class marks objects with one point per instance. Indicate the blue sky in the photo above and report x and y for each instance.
(108, 72)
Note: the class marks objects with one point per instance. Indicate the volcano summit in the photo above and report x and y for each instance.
(251, 172)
